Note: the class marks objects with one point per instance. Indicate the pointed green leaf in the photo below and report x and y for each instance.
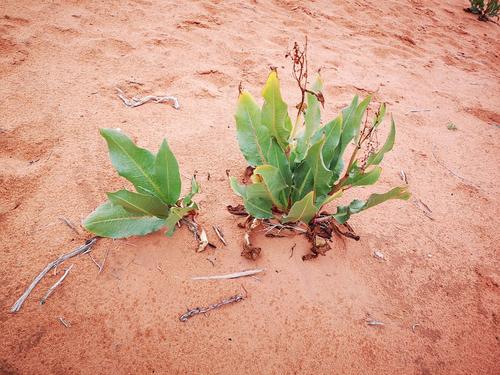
(167, 174)
(400, 192)
(176, 214)
(359, 178)
(275, 111)
(275, 184)
(277, 158)
(134, 163)
(113, 221)
(344, 212)
(195, 189)
(253, 137)
(239, 189)
(332, 132)
(139, 203)
(352, 117)
(303, 210)
(377, 157)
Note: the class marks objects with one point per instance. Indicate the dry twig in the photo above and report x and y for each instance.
(64, 322)
(79, 250)
(56, 284)
(219, 234)
(135, 102)
(230, 275)
(203, 310)
(69, 224)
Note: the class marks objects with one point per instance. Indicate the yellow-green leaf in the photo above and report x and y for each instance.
(275, 111)
(303, 210)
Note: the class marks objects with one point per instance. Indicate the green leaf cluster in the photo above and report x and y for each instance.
(300, 168)
(483, 9)
(155, 203)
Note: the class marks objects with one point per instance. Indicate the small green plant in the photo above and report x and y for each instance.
(484, 11)
(295, 172)
(154, 204)
(451, 126)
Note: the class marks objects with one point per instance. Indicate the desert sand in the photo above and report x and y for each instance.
(437, 290)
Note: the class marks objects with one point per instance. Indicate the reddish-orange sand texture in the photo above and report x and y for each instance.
(437, 291)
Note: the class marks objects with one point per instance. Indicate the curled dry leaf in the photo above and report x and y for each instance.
(203, 241)
(237, 210)
(249, 251)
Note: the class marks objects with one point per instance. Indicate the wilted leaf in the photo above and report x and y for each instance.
(249, 251)
(303, 210)
(238, 210)
(113, 221)
(203, 241)
(275, 111)
(139, 203)
(167, 174)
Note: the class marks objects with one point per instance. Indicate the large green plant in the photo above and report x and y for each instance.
(484, 11)
(154, 204)
(300, 168)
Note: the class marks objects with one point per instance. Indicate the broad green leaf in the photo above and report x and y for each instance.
(275, 111)
(139, 203)
(113, 221)
(312, 174)
(312, 117)
(253, 137)
(303, 210)
(195, 189)
(167, 174)
(176, 214)
(134, 163)
(275, 183)
(256, 198)
(344, 212)
(377, 157)
(239, 189)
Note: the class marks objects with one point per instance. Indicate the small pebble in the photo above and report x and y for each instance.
(378, 255)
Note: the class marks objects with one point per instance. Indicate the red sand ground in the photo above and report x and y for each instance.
(60, 62)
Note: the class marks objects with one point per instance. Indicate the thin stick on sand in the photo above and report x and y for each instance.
(230, 275)
(56, 284)
(79, 250)
(203, 310)
(135, 102)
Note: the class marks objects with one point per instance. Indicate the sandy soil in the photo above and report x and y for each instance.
(60, 62)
